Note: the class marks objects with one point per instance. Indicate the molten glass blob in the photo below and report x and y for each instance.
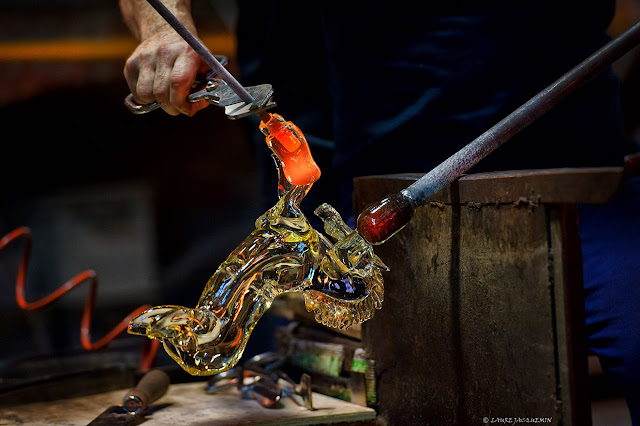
(341, 281)
(291, 147)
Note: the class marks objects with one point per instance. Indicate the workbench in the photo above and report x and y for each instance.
(190, 404)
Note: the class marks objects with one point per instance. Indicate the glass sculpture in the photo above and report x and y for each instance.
(341, 280)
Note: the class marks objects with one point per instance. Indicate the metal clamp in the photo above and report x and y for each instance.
(217, 92)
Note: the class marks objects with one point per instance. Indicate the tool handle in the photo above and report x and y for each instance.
(137, 108)
(151, 387)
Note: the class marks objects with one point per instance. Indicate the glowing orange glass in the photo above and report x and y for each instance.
(291, 147)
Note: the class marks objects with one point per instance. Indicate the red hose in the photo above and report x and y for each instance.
(149, 350)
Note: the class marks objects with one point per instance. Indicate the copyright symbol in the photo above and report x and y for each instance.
(485, 420)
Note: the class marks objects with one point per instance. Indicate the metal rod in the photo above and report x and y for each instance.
(454, 166)
(202, 51)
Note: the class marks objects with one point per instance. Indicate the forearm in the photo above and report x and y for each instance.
(143, 21)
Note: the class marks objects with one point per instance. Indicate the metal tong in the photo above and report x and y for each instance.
(262, 379)
(222, 89)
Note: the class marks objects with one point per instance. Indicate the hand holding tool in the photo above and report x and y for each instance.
(224, 91)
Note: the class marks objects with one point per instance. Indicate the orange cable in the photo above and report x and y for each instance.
(149, 351)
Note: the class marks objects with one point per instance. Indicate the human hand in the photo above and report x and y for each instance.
(162, 69)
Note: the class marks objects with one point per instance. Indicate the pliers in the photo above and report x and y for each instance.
(217, 92)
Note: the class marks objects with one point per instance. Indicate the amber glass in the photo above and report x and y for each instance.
(382, 220)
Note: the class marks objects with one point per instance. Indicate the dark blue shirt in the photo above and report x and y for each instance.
(400, 86)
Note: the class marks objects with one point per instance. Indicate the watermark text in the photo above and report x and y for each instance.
(515, 420)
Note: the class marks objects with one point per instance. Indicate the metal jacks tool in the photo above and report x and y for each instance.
(217, 92)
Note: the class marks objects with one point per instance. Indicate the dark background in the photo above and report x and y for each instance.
(153, 203)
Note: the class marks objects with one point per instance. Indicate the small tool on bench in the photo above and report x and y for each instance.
(136, 402)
